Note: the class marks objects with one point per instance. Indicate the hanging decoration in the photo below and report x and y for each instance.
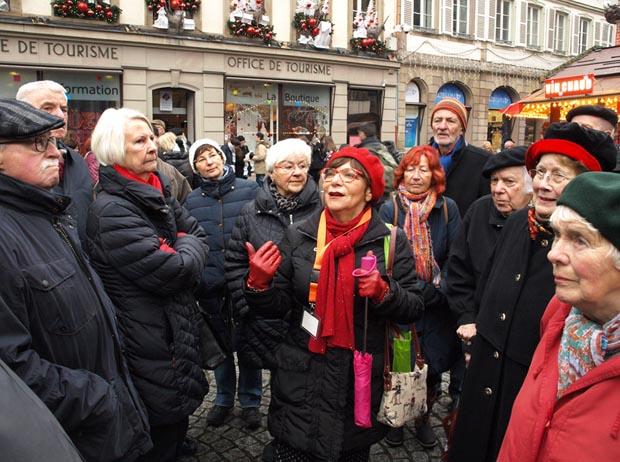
(188, 6)
(248, 19)
(366, 31)
(86, 10)
(312, 23)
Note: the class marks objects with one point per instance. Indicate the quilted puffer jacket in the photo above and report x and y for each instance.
(261, 221)
(152, 289)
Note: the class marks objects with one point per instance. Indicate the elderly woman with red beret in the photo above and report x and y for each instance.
(516, 287)
(569, 406)
(311, 415)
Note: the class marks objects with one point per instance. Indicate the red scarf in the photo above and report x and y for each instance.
(335, 290)
(153, 179)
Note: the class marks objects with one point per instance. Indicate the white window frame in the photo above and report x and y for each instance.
(424, 16)
(503, 17)
(560, 24)
(460, 17)
(585, 26)
(532, 31)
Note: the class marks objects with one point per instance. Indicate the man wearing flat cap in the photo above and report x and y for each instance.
(462, 162)
(511, 190)
(75, 179)
(597, 118)
(57, 329)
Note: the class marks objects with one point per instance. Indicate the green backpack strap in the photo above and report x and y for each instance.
(386, 246)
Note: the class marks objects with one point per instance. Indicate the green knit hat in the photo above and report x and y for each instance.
(595, 196)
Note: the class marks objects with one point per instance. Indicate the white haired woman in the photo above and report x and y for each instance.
(568, 409)
(150, 253)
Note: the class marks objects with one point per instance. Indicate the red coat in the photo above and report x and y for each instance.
(584, 425)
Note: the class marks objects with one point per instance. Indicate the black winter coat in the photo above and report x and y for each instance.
(152, 289)
(464, 181)
(515, 288)
(470, 252)
(311, 405)
(261, 221)
(180, 161)
(57, 327)
(216, 205)
(76, 183)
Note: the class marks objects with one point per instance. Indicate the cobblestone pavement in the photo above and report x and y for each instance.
(232, 442)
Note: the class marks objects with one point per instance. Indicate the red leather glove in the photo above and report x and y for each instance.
(373, 287)
(264, 263)
(165, 247)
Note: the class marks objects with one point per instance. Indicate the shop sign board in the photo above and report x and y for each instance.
(569, 86)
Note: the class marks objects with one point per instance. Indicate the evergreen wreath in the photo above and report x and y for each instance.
(190, 6)
(253, 29)
(369, 44)
(86, 10)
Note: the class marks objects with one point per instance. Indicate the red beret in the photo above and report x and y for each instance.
(371, 164)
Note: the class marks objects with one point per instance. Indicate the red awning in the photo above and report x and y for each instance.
(513, 109)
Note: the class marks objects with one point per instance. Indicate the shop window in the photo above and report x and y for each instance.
(175, 106)
(279, 111)
(11, 78)
(365, 107)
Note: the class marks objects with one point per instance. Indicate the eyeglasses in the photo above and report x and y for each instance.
(346, 174)
(288, 169)
(554, 177)
(40, 143)
(212, 156)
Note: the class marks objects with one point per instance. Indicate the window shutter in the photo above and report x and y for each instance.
(521, 35)
(551, 25)
(606, 35)
(597, 34)
(447, 17)
(406, 13)
(482, 19)
(492, 16)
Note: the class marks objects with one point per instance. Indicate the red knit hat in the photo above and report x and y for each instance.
(593, 148)
(454, 105)
(372, 165)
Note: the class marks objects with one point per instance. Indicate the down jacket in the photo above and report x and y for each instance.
(152, 289)
(583, 425)
(311, 405)
(216, 205)
(261, 221)
(57, 327)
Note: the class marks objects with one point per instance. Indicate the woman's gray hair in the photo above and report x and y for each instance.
(566, 215)
(108, 138)
(285, 149)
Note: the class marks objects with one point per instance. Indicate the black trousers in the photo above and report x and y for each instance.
(167, 441)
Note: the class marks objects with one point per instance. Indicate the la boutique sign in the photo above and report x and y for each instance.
(569, 86)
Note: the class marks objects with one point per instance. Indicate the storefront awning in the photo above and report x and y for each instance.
(536, 106)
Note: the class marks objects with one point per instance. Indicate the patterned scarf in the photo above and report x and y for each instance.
(418, 207)
(284, 204)
(585, 345)
(335, 290)
(535, 226)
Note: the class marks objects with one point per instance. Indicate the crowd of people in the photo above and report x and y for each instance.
(132, 264)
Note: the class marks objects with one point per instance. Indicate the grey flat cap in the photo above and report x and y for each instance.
(22, 121)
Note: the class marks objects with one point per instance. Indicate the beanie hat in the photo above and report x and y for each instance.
(596, 111)
(593, 148)
(200, 143)
(371, 164)
(513, 157)
(455, 106)
(595, 196)
(22, 121)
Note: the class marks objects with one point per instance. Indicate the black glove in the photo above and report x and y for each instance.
(433, 297)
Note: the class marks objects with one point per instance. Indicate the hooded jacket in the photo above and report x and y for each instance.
(152, 289)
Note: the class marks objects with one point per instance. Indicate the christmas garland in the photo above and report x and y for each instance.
(369, 44)
(252, 30)
(306, 24)
(191, 6)
(86, 10)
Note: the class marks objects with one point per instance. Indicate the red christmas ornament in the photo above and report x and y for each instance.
(82, 7)
(174, 4)
(258, 2)
(109, 15)
(268, 36)
(251, 31)
(315, 31)
(150, 7)
(312, 22)
(64, 7)
(90, 13)
(70, 2)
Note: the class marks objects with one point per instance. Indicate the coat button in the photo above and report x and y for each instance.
(496, 354)
(502, 316)
(488, 391)
(544, 243)
(518, 277)
(45, 283)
